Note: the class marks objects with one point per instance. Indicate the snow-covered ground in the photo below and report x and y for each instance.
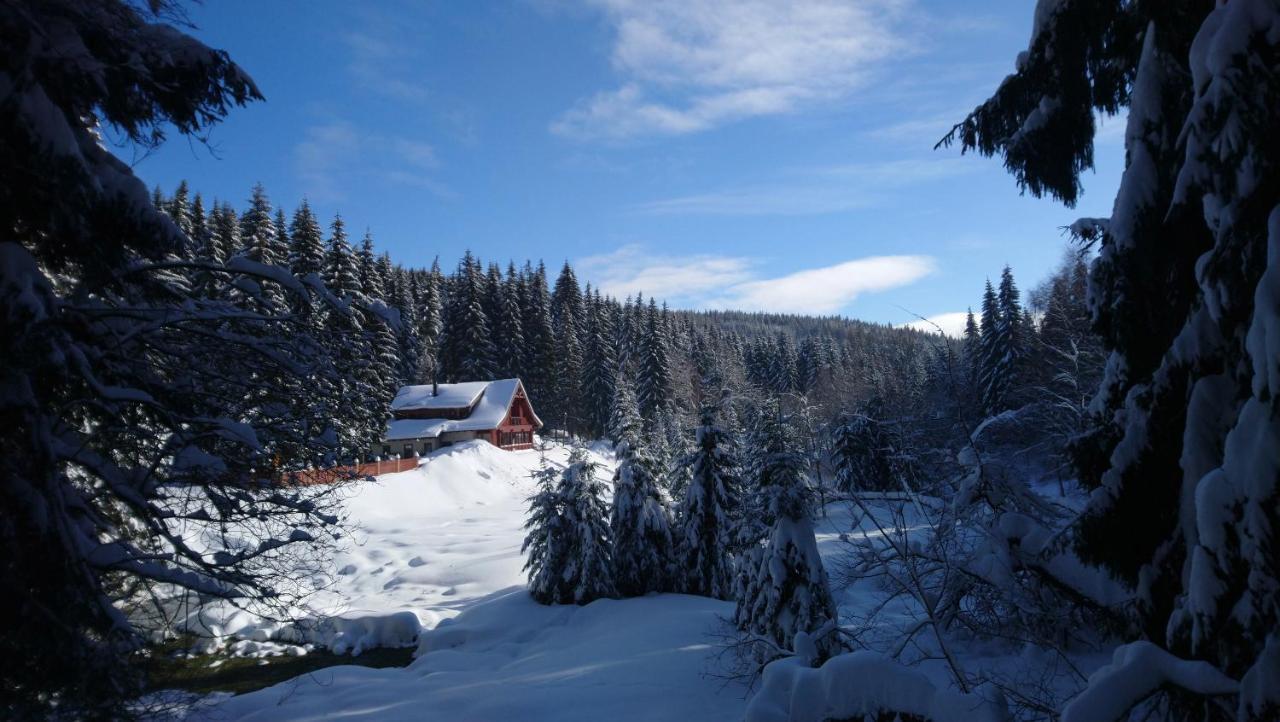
(437, 559)
(444, 540)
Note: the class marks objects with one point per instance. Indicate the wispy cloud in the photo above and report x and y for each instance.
(690, 65)
(333, 155)
(682, 280)
(829, 189)
(736, 282)
(951, 323)
(380, 50)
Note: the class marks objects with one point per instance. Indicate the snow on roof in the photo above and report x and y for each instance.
(489, 411)
(450, 396)
(399, 429)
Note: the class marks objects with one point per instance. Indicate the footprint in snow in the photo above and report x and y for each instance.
(347, 570)
(417, 562)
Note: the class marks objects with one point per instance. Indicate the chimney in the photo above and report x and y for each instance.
(435, 385)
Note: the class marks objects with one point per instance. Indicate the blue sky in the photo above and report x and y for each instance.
(756, 155)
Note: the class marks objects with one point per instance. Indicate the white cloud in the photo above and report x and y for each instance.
(830, 189)
(681, 280)
(689, 65)
(332, 155)
(829, 289)
(734, 282)
(952, 323)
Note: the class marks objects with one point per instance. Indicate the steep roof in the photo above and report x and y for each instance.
(495, 399)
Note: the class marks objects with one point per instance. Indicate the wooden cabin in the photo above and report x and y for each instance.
(428, 417)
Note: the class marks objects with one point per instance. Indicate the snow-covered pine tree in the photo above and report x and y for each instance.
(261, 242)
(222, 237)
(507, 338)
(782, 364)
(653, 365)
(548, 541)
(599, 368)
(512, 315)
(787, 592)
(372, 283)
(624, 414)
(860, 454)
(567, 306)
(569, 539)
(992, 384)
(566, 407)
(341, 273)
(971, 350)
(199, 227)
(640, 519)
(430, 323)
(306, 243)
(539, 338)
(704, 517)
(179, 209)
(1013, 336)
(120, 413)
(466, 343)
(1186, 293)
(401, 291)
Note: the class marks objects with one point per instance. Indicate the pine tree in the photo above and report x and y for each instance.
(992, 383)
(1184, 293)
(512, 351)
(548, 543)
(179, 210)
(372, 283)
(138, 416)
(430, 323)
(258, 232)
(341, 274)
(861, 455)
(640, 520)
(402, 299)
(539, 339)
(466, 347)
(567, 306)
(704, 520)
(306, 243)
(786, 593)
(1012, 332)
(599, 369)
(972, 350)
(569, 538)
(504, 315)
(653, 372)
(625, 424)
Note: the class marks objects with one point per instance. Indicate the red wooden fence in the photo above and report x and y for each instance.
(332, 474)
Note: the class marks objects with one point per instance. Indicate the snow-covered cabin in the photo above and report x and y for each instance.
(426, 418)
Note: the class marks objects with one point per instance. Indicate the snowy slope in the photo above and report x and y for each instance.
(509, 658)
(426, 543)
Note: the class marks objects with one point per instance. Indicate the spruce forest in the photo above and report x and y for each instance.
(1068, 508)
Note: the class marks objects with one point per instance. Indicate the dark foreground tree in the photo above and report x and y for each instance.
(1186, 295)
(140, 422)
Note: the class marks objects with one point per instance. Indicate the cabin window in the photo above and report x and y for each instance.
(408, 451)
